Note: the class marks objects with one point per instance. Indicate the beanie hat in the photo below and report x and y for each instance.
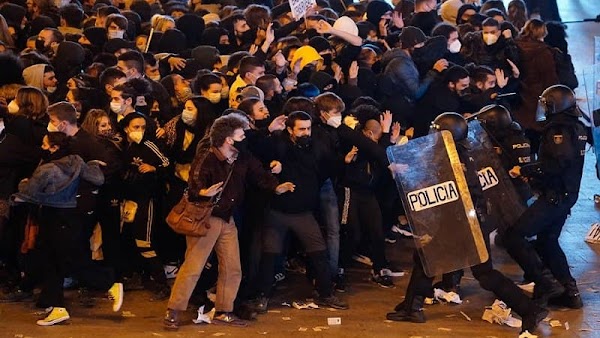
(411, 36)
(34, 75)
(449, 10)
(96, 35)
(347, 25)
(319, 43)
(376, 9)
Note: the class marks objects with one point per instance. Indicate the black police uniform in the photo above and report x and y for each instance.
(489, 279)
(514, 149)
(557, 174)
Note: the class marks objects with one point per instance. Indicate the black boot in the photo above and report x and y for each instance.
(546, 287)
(413, 314)
(531, 320)
(570, 298)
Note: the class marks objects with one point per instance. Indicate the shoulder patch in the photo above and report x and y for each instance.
(558, 139)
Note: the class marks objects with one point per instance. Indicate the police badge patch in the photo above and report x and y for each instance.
(558, 139)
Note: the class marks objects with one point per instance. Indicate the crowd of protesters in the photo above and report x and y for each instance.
(111, 110)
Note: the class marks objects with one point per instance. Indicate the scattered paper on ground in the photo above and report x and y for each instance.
(448, 297)
(127, 314)
(157, 334)
(204, 317)
(567, 326)
(274, 311)
(302, 329)
(286, 318)
(499, 313)
(465, 315)
(218, 334)
(444, 329)
(555, 323)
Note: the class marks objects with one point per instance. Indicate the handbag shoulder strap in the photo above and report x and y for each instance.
(217, 197)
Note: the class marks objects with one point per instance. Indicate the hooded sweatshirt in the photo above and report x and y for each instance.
(55, 184)
(34, 75)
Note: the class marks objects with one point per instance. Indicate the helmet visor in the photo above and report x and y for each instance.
(541, 111)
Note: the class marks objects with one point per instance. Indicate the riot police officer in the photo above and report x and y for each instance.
(509, 141)
(557, 173)
(420, 284)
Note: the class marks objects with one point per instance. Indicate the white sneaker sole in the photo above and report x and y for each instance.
(53, 322)
(119, 300)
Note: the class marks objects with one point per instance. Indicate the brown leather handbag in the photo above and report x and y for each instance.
(192, 218)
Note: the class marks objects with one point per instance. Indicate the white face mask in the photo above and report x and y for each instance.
(116, 34)
(335, 121)
(188, 117)
(490, 39)
(13, 107)
(116, 107)
(454, 47)
(214, 97)
(52, 128)
(1, 126)
(155, 78)
(136, 136)
(51, 89)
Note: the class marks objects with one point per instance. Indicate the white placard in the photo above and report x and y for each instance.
(299, 7)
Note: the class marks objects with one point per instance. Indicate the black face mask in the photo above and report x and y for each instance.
(224, 49)
(262, 124)
(327, 59)
(303, 141)
(241, 146)
(248, 37)
(39, 45)
(376, 67)
(418, 54)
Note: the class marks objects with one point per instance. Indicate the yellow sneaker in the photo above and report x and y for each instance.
(115, 293)
(57, 315)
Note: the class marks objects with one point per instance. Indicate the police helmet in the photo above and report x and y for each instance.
(495, 116)
(557, 99)
(452, 122)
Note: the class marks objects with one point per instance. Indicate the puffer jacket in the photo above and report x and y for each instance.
(401, 78)
(54, 184)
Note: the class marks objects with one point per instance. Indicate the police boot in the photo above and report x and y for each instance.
(533, 318)
(546, 287)
(413, 314)
(570, 298)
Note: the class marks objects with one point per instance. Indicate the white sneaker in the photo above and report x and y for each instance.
(171, 271)
(57, 315)
(389, 272)
(115, 293)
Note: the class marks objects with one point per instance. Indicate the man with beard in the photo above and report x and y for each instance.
(271, 86)
(48, 40)
(442, 96)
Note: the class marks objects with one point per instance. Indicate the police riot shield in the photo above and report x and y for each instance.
(589, 93)
(504, 206)
(440, 212)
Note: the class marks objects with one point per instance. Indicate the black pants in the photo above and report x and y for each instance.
(57, 240)
(546, 220)
(109, 217)
(142, 229)
(306, 228)
(489, 279)
(170, 245)
(360, 211)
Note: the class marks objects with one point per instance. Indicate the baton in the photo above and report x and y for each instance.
(505, 95)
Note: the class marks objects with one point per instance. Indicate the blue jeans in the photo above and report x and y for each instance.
(331, 218)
